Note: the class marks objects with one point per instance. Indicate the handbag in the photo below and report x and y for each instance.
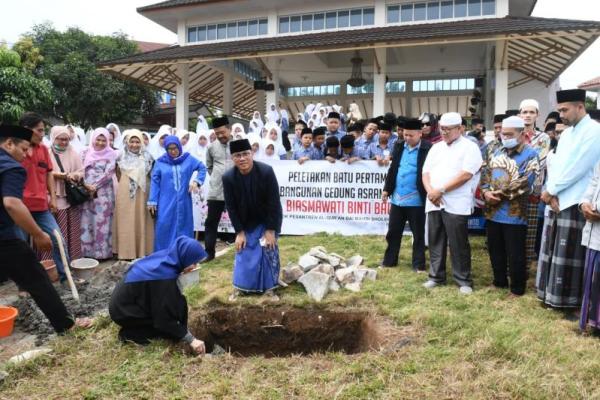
(76, 193)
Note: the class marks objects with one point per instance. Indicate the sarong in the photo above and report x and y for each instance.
(559, 279)
(256, 268)
(532, 228)
(590, 305)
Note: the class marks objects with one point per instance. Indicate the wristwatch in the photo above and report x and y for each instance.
(442, 190)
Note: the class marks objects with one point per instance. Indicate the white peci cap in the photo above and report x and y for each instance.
(450, 119)
(513, 122)
(529, 103)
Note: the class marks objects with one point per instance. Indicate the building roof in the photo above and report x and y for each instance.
(145, 47)
(592, 84)
(174, 3)
(539, 48)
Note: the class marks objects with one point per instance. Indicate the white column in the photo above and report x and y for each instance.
(488, 115)
(501, 79)
(598, 99)
(502, 8)
(272, 23)
(182, 104)
(273, 95)
(181, 33)
(379, 82)
(380, 10)
(409, 97)
(227, 92)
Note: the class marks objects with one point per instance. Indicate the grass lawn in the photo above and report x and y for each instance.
(483, 346)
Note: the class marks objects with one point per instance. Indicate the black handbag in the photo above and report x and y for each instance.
(76, 193)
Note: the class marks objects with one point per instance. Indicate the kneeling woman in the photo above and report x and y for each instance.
(148, 304)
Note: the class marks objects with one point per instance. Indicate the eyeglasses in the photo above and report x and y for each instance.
(244, 154)
(449, 128)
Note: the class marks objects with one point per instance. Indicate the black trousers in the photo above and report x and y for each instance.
(506, 245)
(211, 225)
(140, 331)
(20, 264)
(416, 221)
(446, 229)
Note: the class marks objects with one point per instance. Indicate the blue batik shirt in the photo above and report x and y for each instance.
(406, 193)
(363, 143)
(375, 149)
(305, 152)
(338, 134)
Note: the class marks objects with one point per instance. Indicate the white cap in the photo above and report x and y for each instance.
(451, 118)
(513, 122)
(529, 103)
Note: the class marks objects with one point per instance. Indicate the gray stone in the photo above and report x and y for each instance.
(334, 261)
(291, 273)
(336, 255)
(29, 355)
(308, 262)
(359, 275)
(354, 261)
(319, 252)
(326, 269)
(334, 286)
(345, 275)
(316, 284)
(353, 286)
(3, 376)
(370, 274)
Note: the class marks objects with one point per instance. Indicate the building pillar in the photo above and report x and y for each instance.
(379, 74)
(182, 100)
(501, 79)
(409, 97)
(272, 96)
(488, 114)
(227, 93)
(380, 13)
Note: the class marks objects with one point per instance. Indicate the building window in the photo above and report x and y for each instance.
(231, 30)
(443, 85)
(330, 20)
(314, 90)
(246, 70)
(435, 10)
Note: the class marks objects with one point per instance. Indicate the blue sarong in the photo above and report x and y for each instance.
(256, 268)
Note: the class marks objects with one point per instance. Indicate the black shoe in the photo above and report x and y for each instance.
(207, 259)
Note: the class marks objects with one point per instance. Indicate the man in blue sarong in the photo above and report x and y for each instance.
(252, 201)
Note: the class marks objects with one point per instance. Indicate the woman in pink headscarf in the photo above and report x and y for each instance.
(96, 219)
(70, 168)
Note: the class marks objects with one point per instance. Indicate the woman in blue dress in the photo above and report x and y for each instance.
(170, 200)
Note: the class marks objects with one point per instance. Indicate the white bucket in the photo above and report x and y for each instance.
(84, 268)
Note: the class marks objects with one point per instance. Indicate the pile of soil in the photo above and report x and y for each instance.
(94, 296)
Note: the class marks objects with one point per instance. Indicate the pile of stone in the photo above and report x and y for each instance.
(321, 272)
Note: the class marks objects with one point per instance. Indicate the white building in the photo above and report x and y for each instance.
(417, 55)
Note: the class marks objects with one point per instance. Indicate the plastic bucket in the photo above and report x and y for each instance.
(51, 270)
(84, 268)
(7, 320)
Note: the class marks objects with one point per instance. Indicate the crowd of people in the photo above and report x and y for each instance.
(134, 197)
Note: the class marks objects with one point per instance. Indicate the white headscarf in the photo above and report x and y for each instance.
(118, 139)
(284, 114)
(279, 149)
(154, 148)
(194, 148)
(262, 154)
(241, 134)
(256, 123)
(78, 141)
(136, 166)
(300, 117)
(202, 125)
(272, 114)
(181, 133)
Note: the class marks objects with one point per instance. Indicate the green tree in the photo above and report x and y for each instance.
(20, 90)
(81, 94)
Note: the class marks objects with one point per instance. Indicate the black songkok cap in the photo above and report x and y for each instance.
(300, 122)
(499, 118)
(511, 113)
(384, 126)
(390, 118)
(476, 121)
(402, 122)
(566, 96)
(332, 141)
(220, 121)
(356, 127)
(347, 141)
(413, 124)
(306, 131)
(321, 130)
(553, 115)
(334, 115)
(374, 121)
(594, 114)
(17, 132)
(550, 126)
(463, 122)
(236, 146)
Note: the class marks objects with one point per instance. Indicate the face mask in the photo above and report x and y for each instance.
(510, 143)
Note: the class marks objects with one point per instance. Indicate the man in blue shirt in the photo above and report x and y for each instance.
(17, 260)
(404, 188)
(306, 152)
(333, 125)
(561, 266)
(506, 183)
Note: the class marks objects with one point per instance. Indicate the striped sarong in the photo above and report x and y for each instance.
(590, 306)
(532, 228)
(69, 222)
(559, 279)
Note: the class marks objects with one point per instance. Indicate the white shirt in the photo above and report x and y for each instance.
(444, 163)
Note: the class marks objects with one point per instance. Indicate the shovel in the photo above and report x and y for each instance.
(61, 247)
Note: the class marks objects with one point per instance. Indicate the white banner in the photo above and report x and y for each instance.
(319, 196)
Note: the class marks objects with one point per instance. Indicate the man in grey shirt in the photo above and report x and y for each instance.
(218, 160)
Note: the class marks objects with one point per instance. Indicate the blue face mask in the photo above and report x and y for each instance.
(510, 143)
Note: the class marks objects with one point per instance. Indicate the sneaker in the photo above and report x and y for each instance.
(465, 290)
(430, 284)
